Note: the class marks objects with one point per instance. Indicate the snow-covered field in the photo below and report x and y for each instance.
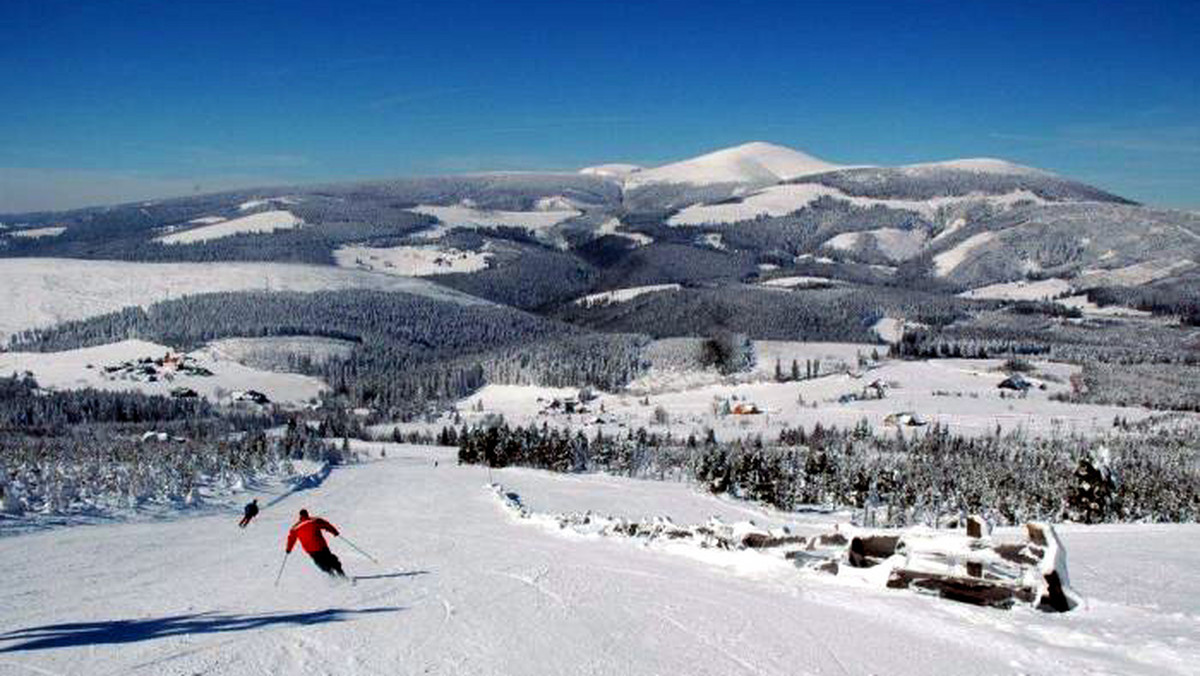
(1136, 274)
(273, 352)
(1044, 289)
(38, 233)
(622, 295)
(896, 244)
(411, 261)
(945, 262)
(78, 369)
(774, 201)
(959, 394)
(39, 292)
(800, 282)
(468, 216)
(263, 222)
(462, 587)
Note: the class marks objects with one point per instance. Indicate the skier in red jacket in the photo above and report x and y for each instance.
(308, 532)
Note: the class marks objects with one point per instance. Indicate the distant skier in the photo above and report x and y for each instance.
(249, 513)
(308, 531)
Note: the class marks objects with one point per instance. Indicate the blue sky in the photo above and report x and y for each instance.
(104, 101)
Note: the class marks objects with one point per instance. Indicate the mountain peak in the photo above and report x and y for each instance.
(756, 162)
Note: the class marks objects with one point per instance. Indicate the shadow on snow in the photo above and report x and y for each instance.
(132, 631)
(411, 573)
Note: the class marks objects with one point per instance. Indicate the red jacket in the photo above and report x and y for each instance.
(308, 532)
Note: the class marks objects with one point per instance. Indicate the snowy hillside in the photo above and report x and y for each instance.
(471, 590)
(87, 368)
(266, 221)
(756, 163)
(41, 292)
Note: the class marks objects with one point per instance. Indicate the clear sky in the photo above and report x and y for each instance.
(105, 101)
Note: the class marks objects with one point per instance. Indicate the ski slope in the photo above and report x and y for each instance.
(464, 588)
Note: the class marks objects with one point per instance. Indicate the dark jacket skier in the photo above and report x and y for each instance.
(308, 531)
(249, 513)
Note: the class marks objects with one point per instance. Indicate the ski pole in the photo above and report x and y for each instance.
(285, 558)
(357, 549)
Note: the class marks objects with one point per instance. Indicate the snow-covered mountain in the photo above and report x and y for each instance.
(755, 163)
(969, 222)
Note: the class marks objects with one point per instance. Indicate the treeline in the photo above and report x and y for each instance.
(834, 314)
(1172, 387)
(1141, 475)
(931, 183)
(1018, 331)
(96, 469)
(522, 275)
(409, 352)
(25, 406)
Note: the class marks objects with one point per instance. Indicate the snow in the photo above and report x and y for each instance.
(263, 222)
(755, 162)
(779, 200)
(1044, 289)
(256, 203)
(39, 292)
(610, 227)
(274, 353)
(945, 262)
(69, 371)
(463, 587)
(799, 282)
(982, 165)
(468, 216)
(611, 170)
(713, 240)
(1086, 306)
(411, 261)
(896, 244)
(37, 233)
(961, 395)
(207, 220)
(1136, 274)
(622, 295)
(889, 329)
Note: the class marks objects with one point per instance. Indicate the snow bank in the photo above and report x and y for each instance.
(264, 222)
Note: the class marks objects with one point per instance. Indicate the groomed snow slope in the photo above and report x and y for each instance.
(39, 292)
(463, 588)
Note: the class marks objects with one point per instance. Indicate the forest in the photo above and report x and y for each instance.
(1141, 473)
